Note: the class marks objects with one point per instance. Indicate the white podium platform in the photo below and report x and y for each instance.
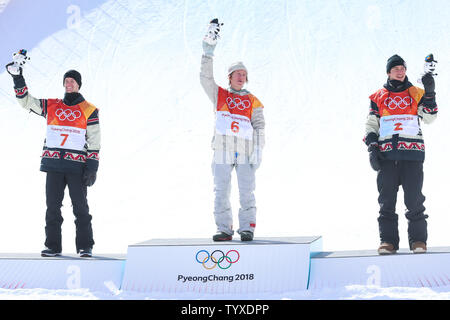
(205, 266)
(272, 265)
(31, 271)
(403, 269)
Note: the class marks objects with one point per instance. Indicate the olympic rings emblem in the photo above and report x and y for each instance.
(224, 261)
(67, 114)
(238, 103)
(398, 102)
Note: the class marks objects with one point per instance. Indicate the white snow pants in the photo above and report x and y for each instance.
(222, 186)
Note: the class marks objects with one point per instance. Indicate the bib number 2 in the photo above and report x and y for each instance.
(398, 126)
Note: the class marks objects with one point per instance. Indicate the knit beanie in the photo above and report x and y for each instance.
(394, 61)
(74, 75)
(236, 66)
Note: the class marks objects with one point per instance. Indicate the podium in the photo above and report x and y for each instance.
(30, 271)
(367, 268)
(234, 267)
(264, 265)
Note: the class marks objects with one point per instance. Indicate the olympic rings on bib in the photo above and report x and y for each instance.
(238, 103)
(398, 102)
(67, 114)
(217, 260)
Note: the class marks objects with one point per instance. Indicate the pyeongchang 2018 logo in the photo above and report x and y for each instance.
(217, 258)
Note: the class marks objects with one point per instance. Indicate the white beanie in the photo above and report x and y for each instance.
(238, 65)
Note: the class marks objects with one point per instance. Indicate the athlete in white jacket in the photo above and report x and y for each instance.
(237, 143)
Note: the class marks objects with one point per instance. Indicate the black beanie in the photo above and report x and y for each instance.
(394, 61)
(74, 74)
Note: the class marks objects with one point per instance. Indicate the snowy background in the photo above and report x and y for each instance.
(313, 65)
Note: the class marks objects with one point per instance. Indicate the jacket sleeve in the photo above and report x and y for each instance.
(207, 79)
(26, 100)
(428, 109)
(93, 138)
(372, 125)
(258, 124)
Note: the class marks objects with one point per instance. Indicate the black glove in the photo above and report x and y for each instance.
(89, 177)
(428, 83)
(375, 157)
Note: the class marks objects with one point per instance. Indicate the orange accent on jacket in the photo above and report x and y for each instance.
(393, 103)
(60, 114)
(237, 104)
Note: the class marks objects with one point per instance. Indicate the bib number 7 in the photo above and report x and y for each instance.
(65, 136)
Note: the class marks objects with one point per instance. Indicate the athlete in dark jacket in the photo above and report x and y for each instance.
(69, 157)
(397, 151)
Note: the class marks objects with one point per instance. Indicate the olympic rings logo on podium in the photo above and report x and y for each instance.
(67, 114)
(217, 259)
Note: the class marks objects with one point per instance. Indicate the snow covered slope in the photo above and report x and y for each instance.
(313, 64)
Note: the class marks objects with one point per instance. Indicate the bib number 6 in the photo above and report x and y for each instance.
(235, 126)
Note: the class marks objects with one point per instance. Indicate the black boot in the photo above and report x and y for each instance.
(246, 236)
(222, 236)
(47, 252)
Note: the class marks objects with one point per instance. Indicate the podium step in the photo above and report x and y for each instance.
(202, 265)
(30, 271)
(366, 267)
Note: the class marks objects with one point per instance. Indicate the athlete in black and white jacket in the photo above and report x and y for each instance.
(397, 151)
(70, 156)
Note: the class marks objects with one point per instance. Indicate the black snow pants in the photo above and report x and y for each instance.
(408, 174)
(55, 186)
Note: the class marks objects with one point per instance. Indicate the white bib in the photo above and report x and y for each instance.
(404, 124)
(65, 137)
(233, 125)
